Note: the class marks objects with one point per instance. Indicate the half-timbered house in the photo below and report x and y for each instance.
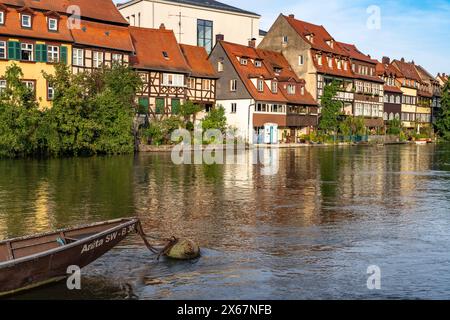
(169, 77)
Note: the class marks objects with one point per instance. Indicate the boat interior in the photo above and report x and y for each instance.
(26, 246)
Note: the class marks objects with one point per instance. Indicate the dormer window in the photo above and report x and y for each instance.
(310, 37)
(345, 65)
(258, 63)
(277, 70)
(339, 64)
(260, 85)
(2, 17)
(330, 43)
(302, 91)
(330, 62)
(319, 59)
(274, 86)
(165, 55)
(52, 24)
(244, 61)
(291, 89)
(25, 20)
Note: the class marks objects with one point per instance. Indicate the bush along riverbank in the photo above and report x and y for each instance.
(92, 114)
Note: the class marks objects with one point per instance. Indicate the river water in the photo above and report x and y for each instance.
(310, 231)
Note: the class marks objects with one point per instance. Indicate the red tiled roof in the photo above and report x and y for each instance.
(103, 35)
(388, 70)
(354, 53)
(197, 59)
(333, 71)
(104, 10)
(321, 36)
(270, 60)
(392, 89)
(407, 69)
(150, 45)
(39, 29)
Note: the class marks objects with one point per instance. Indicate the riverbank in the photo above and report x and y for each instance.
(169, 148)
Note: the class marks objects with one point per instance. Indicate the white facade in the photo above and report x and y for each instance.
(241, 118)
(184, 20)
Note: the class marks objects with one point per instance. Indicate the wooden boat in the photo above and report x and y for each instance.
(33, 261)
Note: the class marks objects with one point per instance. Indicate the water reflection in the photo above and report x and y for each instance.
(309, 231)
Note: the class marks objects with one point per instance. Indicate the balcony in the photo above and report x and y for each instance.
(302, 120)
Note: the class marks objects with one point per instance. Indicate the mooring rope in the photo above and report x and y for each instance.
(169, 242)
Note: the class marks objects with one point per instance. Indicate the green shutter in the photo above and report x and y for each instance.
(64, 54)
(159, 106)
(14, 50)
(175, 106)
(41, 53)
(143, 105)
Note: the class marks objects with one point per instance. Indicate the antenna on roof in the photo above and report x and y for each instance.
(180, 17)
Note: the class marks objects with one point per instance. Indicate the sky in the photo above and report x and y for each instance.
(414, 30)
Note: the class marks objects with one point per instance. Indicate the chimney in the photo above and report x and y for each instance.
(220, 37)
(162, 26)
(402, 60)
(292, 16)
(413, 62)
(386, 60)
(252, 43)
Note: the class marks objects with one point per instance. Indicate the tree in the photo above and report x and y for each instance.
(215, 120)
(189, 111)
(443, 121)
(331, 109)
(19, 116)
(394, 126)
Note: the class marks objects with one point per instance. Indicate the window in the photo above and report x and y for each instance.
(2, 86)
(233, 85)
(52, 24)
(345, 65)
(206, 84)
(397, 100)
(2, 17)
(29, 84)
(285, 39)
(258, 63)
(50, 92)
(176, 103)
(176, 80)
(260, 85)
(3, 50)
(300, 60)
(191, 83)
(165, 55)
(339, 64)
(319, 60)
(233, 107)
(26, 51)
(205, 34)
(78, 57)
(274, 86)
(26, 20)
(117, 58)
(386, 98)
(330, 62)
(52, 54)
(98, 59)
(302, 91)
(244, 61)
(291, 89)
(220, 66)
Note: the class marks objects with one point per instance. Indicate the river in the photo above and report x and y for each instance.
(310, 231)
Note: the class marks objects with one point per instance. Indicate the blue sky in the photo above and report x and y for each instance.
(415, 30)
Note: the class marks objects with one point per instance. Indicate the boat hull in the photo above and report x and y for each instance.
(35, 270)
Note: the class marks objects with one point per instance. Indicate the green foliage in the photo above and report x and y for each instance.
(215, 120)
(443, 121)
(189, 111)
(159, 132)
(92, 113)
(19, 116)
(331, 109)
(394, 126)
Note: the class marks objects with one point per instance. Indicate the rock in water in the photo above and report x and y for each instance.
(184, 249)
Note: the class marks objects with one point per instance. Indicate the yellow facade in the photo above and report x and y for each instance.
(33, 71)
(409, 108)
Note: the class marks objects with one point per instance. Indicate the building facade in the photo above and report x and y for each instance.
(194, 22)
(315, 56)
(257, 88)
(36, 35)
(172, 74)
(393, 95)
(368, 88)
